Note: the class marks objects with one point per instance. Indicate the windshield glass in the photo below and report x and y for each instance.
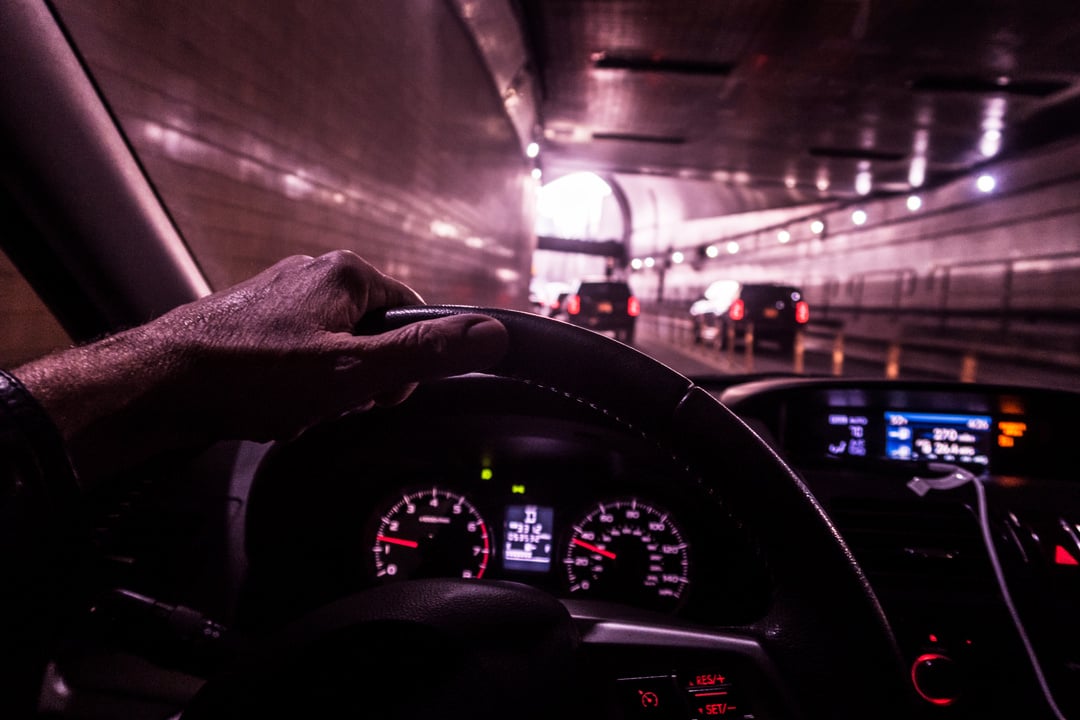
(906, 175)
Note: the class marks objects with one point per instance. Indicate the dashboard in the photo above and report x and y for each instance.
(535, 489)
(1003, 431)
(860, 444)
(481, 478)
(543, 497)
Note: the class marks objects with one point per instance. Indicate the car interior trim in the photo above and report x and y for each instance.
(47, 90)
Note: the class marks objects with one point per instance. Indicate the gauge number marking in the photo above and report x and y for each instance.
(431, 533)
(628, 551)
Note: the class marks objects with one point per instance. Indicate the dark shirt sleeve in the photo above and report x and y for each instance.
(40, 542)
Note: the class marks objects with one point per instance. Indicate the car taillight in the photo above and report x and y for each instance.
(573, 304)
(737, 311)
(633, 306)
(802, 312)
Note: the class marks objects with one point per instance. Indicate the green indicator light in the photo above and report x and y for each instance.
(517, 489)
(486, 474)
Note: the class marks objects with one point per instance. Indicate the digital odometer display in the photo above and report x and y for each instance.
(938, 437)
(528, 538)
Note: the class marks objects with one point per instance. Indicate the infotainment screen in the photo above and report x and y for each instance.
(847, 435)
(938, 437)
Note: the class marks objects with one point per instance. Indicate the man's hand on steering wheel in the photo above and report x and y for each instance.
(261, 360)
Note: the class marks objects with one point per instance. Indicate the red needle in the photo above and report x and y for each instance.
(587, 546)
(397, 541)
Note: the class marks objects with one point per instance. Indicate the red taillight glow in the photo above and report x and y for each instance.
(573, 304)
(737, 311)
(633, 307)
(802, 312)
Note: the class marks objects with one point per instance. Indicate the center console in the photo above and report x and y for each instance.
(858, 444)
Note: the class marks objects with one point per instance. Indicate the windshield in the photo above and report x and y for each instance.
(906, 175)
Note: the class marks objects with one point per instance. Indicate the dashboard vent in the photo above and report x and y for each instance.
(905, 542)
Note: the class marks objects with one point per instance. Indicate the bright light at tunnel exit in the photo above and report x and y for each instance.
(571, 205)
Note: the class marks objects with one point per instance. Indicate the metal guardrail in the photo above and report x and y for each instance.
(957, 358)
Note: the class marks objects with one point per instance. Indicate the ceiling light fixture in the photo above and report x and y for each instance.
(864, 182)
(990, 143)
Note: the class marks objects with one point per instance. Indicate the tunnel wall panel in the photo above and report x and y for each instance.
(369, 126)
(1002, 266)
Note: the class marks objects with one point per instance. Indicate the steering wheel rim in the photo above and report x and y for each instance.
(825, 633)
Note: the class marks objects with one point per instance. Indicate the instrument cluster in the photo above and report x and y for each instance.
(625, 549)
(577, 508)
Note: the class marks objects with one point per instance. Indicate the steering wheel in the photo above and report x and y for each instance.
(822, 649)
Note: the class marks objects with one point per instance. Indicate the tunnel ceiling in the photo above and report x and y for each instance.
(781, 102)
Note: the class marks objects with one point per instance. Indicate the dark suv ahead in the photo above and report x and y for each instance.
(603, 305)
(776, 311)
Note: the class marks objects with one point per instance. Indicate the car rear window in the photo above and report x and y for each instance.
(605, 291)
(766, 293)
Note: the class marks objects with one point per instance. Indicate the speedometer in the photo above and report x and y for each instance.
(628, 551)
(431, 533)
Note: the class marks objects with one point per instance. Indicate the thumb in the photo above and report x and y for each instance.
(429, 349)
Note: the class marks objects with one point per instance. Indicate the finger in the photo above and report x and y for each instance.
(369, 287)
(425, 350)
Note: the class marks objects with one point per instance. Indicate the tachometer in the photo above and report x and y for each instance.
(431, 533)
(628, 551)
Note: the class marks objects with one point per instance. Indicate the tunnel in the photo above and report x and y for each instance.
(822, 466)
(932, 222)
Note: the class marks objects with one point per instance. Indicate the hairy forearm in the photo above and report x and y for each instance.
(111, 399)
(260, 361)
